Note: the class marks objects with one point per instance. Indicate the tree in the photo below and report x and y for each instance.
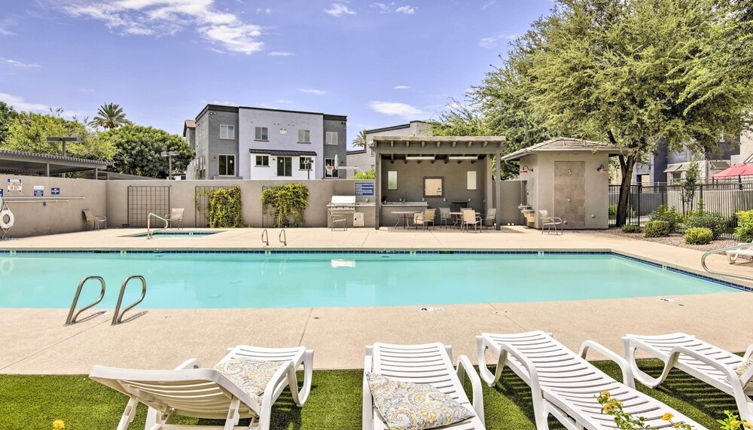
(632, 72)
(360, 140)
(7, 113)
(138, 150)
(110, 116)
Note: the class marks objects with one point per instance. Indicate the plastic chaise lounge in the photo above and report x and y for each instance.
(744, 252)
(565, 385)
(193, 391)
(699, 359)
(423, 364)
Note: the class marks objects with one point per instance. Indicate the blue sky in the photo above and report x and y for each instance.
(380, 63)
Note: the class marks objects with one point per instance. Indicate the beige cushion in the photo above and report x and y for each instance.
(408, 406)
(251, 376)
(747, 364)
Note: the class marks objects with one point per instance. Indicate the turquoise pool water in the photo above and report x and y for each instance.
(236, 280)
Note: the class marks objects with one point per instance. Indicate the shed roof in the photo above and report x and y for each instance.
(427, 145)
(564, 144)
(35, 163)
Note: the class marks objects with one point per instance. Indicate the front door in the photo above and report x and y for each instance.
(570, 193)
(284, 166)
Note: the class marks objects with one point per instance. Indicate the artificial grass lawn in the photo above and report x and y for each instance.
(33, 402)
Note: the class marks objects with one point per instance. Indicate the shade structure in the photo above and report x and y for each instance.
(736, 170)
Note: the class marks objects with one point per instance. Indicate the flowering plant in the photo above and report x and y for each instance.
(625, 421)
(733, 422)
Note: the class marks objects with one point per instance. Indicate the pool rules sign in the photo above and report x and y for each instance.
(15, 185)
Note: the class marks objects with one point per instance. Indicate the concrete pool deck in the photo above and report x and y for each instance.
(35, 340)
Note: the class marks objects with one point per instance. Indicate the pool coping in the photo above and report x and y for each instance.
(403, 251)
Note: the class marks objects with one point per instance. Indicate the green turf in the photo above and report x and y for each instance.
(33, 402)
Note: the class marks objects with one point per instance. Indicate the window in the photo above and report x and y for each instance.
(392, 180)
(470, 180)
(332, 138)
(261, 133)
(227, 165)
(227, 131)
(330, 162)
(433, 187)
(304, 136)
(284, 166)
(262, 160)
(305, 163)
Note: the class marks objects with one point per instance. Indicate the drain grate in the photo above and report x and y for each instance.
(431, 309)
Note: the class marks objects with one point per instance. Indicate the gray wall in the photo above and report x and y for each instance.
(341, 149)
(213, 145)
(365, 161)
(55, 217)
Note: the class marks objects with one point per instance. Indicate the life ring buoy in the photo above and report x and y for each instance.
(7, 219)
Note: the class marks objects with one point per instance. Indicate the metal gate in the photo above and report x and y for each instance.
(201, 204)
(145, 199)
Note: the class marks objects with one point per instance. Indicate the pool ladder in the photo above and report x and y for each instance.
(117, 318)
(282, 237)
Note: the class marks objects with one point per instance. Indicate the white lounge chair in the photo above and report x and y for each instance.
(565, 385)
(192, 391)
(744, 252)
(699, 359)
(423, 364)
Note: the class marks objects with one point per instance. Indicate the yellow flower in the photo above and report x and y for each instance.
(608, 408)
(58, 425)
(677, 425)
(747, 425)
(667, 416)
(606, 394)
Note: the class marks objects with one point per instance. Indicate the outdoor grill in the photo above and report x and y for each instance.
(340, 210)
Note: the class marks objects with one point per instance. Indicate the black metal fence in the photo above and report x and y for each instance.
(725, 199)
(145, 199)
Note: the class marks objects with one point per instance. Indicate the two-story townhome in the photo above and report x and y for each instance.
(260, 143)
(363, 159)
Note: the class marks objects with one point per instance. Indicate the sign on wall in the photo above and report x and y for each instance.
(15, 185)
(55, 191)
(38, 190)
(364, 189)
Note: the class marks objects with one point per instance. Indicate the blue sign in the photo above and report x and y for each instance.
(55, 191)
(1, 192)
(364, 189)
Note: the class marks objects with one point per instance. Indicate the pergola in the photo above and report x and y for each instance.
(37, 164)
(436, 152)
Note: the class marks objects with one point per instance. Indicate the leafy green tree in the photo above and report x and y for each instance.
(138, 150)
(360, 140)
(110, 116)
(7, 113)
(631, 72)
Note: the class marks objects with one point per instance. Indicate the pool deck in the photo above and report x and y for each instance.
(36, 342)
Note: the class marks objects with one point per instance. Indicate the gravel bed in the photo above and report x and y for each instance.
(674, 240)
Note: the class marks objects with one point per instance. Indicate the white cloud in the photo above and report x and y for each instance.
(19, 103)
(280, 54)
(392, 7)
(5, 25)
(401, 87)
(264, 11)
(16, 63)
(396, 109)
(339, 9)
(493, 41)
(159, 17)
(312, 91)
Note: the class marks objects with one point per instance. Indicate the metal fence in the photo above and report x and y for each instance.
(725, 199)
(145, 199)
(201, 204)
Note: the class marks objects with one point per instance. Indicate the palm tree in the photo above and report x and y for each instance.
(360, 140)
(109, 116)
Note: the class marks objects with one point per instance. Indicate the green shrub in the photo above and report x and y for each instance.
(286, 203)
(698, 235)
(366, 174)
(225, 208)
(657, 229)
(631, 228)
(715, 222)
(744, 230)
(612, 211)
(670, 215)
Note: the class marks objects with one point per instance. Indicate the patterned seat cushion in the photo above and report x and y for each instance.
(251, 376)
(747, 364)
(408, 406)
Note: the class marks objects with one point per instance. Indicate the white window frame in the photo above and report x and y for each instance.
(227, 131)
(471, 180)
(256, 161)
(218, 164)
(327, 138)
(277, 166)
(391, 177)
(311, 163)
(260, 133)
(307, 135)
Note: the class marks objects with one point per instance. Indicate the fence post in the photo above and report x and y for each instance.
(638, 203)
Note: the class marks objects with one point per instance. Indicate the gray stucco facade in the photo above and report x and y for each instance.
(364, 159)
(209, 145)
(337, 124)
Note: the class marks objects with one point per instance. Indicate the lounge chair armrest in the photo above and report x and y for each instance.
(675, 353)
(191, 363)
(748, 352)
(557, 219)
(279, 377)
(627, 374)
(465, 368)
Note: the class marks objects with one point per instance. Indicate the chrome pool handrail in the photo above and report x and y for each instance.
(283, 237)
(149, 227)
(72, 314)
(721, 251)
(117, 317)
(265, 237)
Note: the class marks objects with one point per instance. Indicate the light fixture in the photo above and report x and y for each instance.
(419, 157)
(463, 157)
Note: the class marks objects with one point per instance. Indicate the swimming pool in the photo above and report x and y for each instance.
(302, 279)
(176, 234)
